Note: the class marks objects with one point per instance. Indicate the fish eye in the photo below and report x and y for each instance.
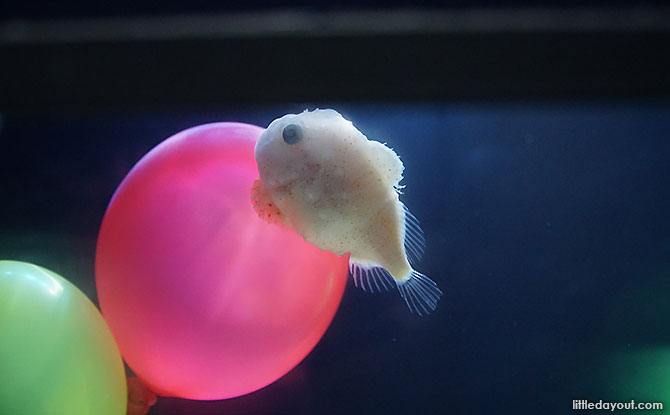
(292, 133)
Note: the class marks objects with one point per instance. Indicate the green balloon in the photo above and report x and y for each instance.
(57, 355)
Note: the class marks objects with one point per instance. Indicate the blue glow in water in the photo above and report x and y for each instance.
(542, 221)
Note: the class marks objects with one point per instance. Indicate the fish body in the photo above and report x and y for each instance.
(322, 177)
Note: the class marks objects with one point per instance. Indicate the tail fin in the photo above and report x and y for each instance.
(420, 293)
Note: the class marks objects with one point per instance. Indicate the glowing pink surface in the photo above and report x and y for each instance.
(205, 300)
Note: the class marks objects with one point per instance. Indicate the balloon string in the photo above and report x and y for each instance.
(140, 398)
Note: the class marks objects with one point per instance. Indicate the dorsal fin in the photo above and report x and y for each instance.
(264, 205)
(415, 243)
(387, 163)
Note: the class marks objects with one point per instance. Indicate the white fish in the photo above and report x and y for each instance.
(322, 177)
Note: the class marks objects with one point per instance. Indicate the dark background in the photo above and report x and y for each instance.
(77, 8)
(537, 159)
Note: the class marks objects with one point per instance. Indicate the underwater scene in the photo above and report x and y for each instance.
(546, 228)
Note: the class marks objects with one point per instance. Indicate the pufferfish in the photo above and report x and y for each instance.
(338, 190)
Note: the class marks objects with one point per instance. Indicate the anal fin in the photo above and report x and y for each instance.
(370, 277)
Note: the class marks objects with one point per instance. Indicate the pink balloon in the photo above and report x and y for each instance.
(206, 300)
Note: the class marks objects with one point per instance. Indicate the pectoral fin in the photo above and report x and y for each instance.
(263, 204)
